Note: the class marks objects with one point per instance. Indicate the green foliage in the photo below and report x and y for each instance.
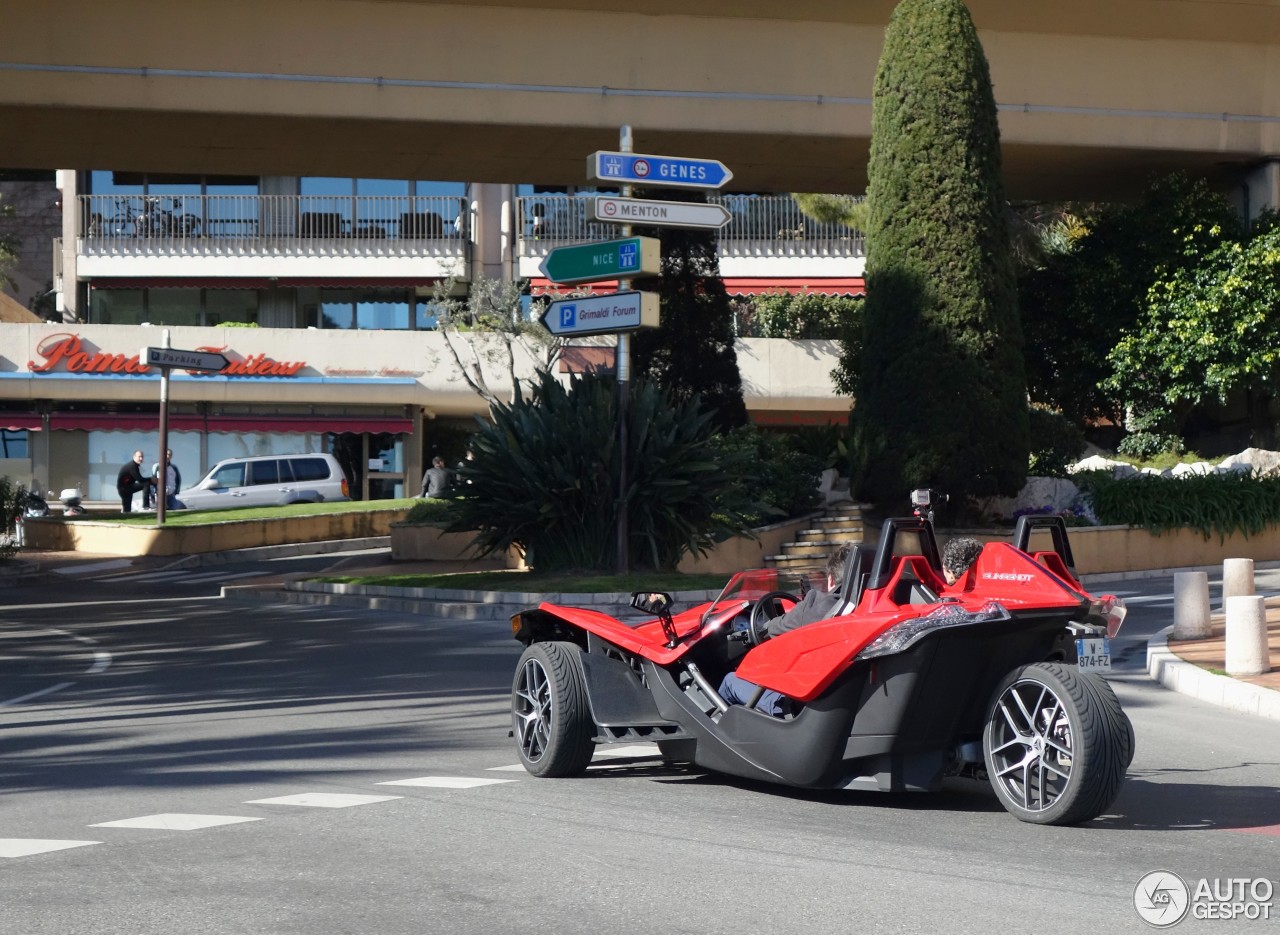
(829, 444)
(803, 315)
(1152, 435)
(1208, 331)
(1210, 503)
(691, 353)
(1056, 442)
(1082, 299)
(429, 513)
(13, 500)
(544, 478)
(940, 394)
(846, 210)
(9, 246)
(777, 478)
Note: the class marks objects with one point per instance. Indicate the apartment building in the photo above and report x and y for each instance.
(319, 291)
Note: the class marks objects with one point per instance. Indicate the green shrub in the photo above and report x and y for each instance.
(1056, 442)
(828, 443)
(429, 513)
(1210, 503)
(803, 315)
(941, 390)
(776, 479)
(545, 473)
(13, 500)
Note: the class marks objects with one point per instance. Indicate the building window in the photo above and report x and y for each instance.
(172, 306)
(13, 443)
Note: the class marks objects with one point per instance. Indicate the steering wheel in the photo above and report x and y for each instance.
(766, 609)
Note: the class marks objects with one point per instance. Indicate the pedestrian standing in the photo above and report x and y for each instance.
(129, 481)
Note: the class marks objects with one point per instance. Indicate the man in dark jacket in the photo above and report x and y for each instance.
(129, 481)
(816, 605)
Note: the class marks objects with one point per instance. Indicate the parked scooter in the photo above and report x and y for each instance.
(71, 501)
(35, 506)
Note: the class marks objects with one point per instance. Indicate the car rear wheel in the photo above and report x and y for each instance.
(1054, 752)
(549, 712)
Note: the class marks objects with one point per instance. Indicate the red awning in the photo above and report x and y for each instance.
(142, 422)
(17, 421)
(734, 285)
(258, 282)
(750, 285)
(538, 285)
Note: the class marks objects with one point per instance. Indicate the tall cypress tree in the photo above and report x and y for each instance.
(941, 392)
(692, 351)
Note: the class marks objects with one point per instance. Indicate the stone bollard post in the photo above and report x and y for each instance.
(1247, 650)
(1237, 578)
(1190, 605)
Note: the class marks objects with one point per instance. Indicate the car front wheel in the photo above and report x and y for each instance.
(550, 717)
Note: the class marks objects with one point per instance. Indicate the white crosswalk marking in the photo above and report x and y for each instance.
(174, 821)
(446, 782)
(324, 800)
(149, 576)
(25, 847)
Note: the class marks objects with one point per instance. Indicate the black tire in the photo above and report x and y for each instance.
(1054, 751)
(1121, 725)
(550, 717)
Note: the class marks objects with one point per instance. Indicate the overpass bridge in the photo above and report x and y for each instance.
(1094, 95)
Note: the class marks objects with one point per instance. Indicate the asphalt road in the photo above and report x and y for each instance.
(120, 702)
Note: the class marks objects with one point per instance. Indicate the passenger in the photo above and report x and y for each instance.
(817, 605)
(957, 556)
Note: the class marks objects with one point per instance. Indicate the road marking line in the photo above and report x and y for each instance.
(25, 847)
(515, 767)
(148, 576)
(324, 800)
(446, 782)
(219, 576)
(93, 566)
(175, 821)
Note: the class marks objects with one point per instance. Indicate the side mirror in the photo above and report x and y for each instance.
(211, 484)
(651, 602)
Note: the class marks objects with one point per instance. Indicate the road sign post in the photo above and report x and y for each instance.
(657, 171)
(602, 314)
(610, 210)
(606, 259)
(167, 358)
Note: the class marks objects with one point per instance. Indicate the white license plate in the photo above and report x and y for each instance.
(1094, 655)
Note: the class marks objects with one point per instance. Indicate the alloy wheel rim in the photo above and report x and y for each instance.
(1031, 746)
(532, 710)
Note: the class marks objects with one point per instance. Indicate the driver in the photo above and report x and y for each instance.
(817, 605)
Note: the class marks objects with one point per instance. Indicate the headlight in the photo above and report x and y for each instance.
(903, 635)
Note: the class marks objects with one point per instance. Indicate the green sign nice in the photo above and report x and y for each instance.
(606, 259)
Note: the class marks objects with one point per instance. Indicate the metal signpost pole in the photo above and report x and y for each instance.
(623, 366)
(162, 477)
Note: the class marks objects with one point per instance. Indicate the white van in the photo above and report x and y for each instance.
(271, 480)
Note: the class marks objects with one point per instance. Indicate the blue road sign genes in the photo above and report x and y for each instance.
(568, 317)
(661, 170)
(629, 255)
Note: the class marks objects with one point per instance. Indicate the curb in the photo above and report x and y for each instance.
(1165, 668)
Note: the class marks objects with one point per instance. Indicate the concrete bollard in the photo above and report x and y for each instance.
(1237, 578)
(1190, 605)
(1247, 650)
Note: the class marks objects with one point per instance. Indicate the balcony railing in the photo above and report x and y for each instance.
(761, 226)
(272, 225)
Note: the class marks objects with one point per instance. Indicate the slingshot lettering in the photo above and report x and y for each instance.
(1005, 576)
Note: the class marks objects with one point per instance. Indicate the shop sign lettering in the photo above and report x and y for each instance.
(67, 353)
